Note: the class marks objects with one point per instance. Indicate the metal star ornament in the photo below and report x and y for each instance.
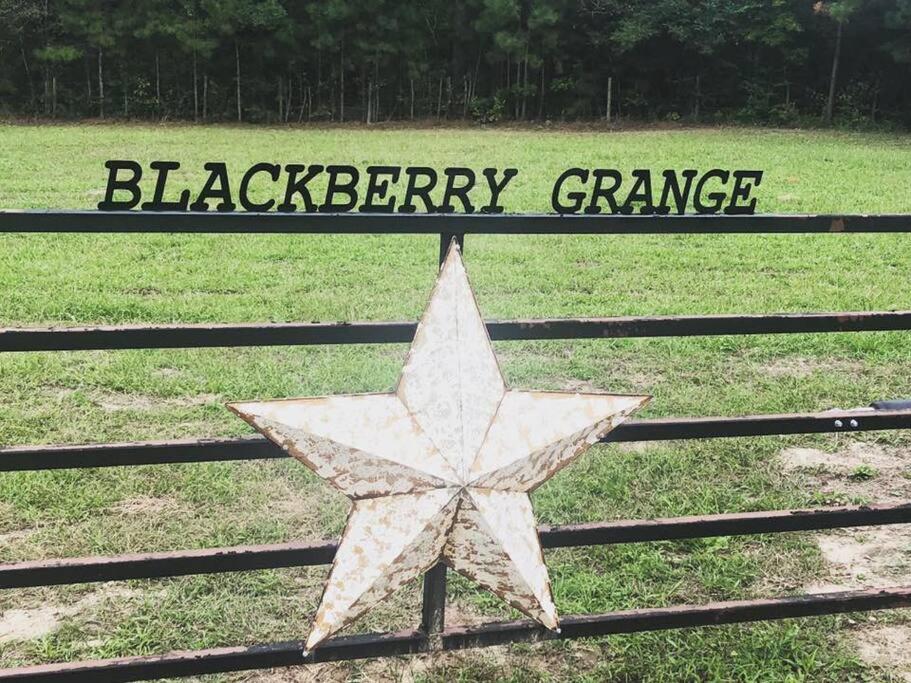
(441, 469)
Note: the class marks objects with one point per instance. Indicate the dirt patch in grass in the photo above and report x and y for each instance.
(11, 529)
(11, 538)
(145, 505)
(404, 670)
(167, 373)
(859, 470)
(887, 646)
(13, 532)
(314, 673)
(864, 557)
(42, 620)
(634, 446)
(28, 624)
(308, 512)
(112, 401)
(579, 385)
(800, 367)
(634, 381)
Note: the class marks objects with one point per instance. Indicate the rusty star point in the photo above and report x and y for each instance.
(440, 469)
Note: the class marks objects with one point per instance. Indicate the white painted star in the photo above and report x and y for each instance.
(441, 469)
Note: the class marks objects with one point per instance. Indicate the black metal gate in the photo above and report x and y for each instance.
(433, 634)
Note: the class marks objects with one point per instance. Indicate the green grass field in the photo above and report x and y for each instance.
(78, 397)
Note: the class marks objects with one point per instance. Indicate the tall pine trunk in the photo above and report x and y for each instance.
(477, 74)
(88, 81)
(237, 64)
(366, 93)
(619, 102)
(319, 79)
(524, 81)
(100, 83)
(341, 82)
(205, 96)
(875, 100)
(195, 89)
(515, 103)
(541, 93)
(28, 75)
(830, 101)
(440, 99)
(157, 84)
(290, 99)
(610, 95)
(508, 95)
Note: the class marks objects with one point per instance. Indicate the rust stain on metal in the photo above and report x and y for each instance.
(441, 469)
(844, 318)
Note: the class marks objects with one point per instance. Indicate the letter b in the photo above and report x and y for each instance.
(130, 185)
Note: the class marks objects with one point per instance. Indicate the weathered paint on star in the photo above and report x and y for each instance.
(440, 469)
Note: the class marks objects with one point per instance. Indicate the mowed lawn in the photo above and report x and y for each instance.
(79, 397)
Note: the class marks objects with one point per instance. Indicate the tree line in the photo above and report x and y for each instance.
(771, 61)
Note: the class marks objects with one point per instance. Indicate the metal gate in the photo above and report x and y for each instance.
(433, 634)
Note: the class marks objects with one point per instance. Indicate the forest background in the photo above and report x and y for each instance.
(770, 62)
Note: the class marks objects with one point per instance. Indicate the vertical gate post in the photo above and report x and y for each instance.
(446, 238)
(433, 611)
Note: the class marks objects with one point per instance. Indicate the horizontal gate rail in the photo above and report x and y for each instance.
(437, 223)
(279, 334)
(283, 555)
(218, 660)
(24, 458)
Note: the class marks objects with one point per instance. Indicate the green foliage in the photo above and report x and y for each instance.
(863, 473)
(58, 53)
(898, 23)
(756, 60)
(489, 109)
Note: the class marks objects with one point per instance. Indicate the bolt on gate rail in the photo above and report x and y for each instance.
(433, 633)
